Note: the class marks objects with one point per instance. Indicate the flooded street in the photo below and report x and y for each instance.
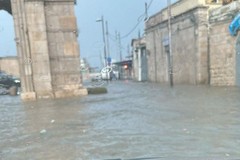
(133, 120)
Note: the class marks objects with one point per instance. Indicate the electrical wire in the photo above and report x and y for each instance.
(140, 19)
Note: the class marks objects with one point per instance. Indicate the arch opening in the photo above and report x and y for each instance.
(8, 52)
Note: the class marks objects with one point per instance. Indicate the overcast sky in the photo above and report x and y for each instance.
(122, 16)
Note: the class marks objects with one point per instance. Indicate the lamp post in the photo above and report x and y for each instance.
(104, 40)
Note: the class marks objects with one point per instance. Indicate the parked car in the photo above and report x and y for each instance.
(7, 81)
(107, 73)
(95, 77)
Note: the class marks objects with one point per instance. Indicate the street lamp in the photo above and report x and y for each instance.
(104, 40)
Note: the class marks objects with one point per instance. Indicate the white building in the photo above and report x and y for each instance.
(140, 70)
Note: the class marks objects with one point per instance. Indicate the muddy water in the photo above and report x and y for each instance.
(134, 120)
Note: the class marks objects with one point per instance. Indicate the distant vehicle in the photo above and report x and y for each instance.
(95, 76)
(7, 81)
(107, 73)
(116, 74)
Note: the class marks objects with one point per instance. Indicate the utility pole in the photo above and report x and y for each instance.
(116, 40)
(139, 57)
(107, 36)
(101, 60)
(146, 12)
(170, 43)
(120, 46)
(104, 40)
(129, 51)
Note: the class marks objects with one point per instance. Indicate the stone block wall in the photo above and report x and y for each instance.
(189, 58)
(135, 62)
(39, 51)
(138, 63)
(157, 57)
(10, 65)
(63, 46)
(223, 60)
(203, 49)
(222, 55)
(179, 7)
(23, 49)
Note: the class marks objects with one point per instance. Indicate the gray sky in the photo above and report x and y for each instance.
(122, 16)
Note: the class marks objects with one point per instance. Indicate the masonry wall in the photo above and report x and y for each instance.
(222, 57)
(10, 65)
(39, 50)
(188, 40)
(179, 7)
(139, 55)
(23, 49)
(135, 63)
(157, 57)
(63, 46)
(222, 46)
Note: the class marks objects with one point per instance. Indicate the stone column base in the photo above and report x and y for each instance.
(71, 93)
(45, 95)
(29, 96)
(32, 96)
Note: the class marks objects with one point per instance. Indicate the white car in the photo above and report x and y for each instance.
(95, 76)
(107, 73)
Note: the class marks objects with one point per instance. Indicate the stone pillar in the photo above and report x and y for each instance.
(48, 51)
(37, 33)
(64, 49)
(23, 50)
(202, 48)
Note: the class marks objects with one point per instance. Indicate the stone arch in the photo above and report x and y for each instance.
(6, 5)
(47, 47)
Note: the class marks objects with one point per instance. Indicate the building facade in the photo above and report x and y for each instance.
(190, 43)
(140, 70)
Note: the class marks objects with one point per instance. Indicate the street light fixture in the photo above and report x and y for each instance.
(104, 40)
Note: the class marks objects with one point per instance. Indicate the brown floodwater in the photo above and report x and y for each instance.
(132, 121)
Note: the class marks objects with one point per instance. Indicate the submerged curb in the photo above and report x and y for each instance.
(97, 90)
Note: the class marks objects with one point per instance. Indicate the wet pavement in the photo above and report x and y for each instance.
(133, 120)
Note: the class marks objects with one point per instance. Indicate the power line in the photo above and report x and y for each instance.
(140, 19)
(117, 38)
